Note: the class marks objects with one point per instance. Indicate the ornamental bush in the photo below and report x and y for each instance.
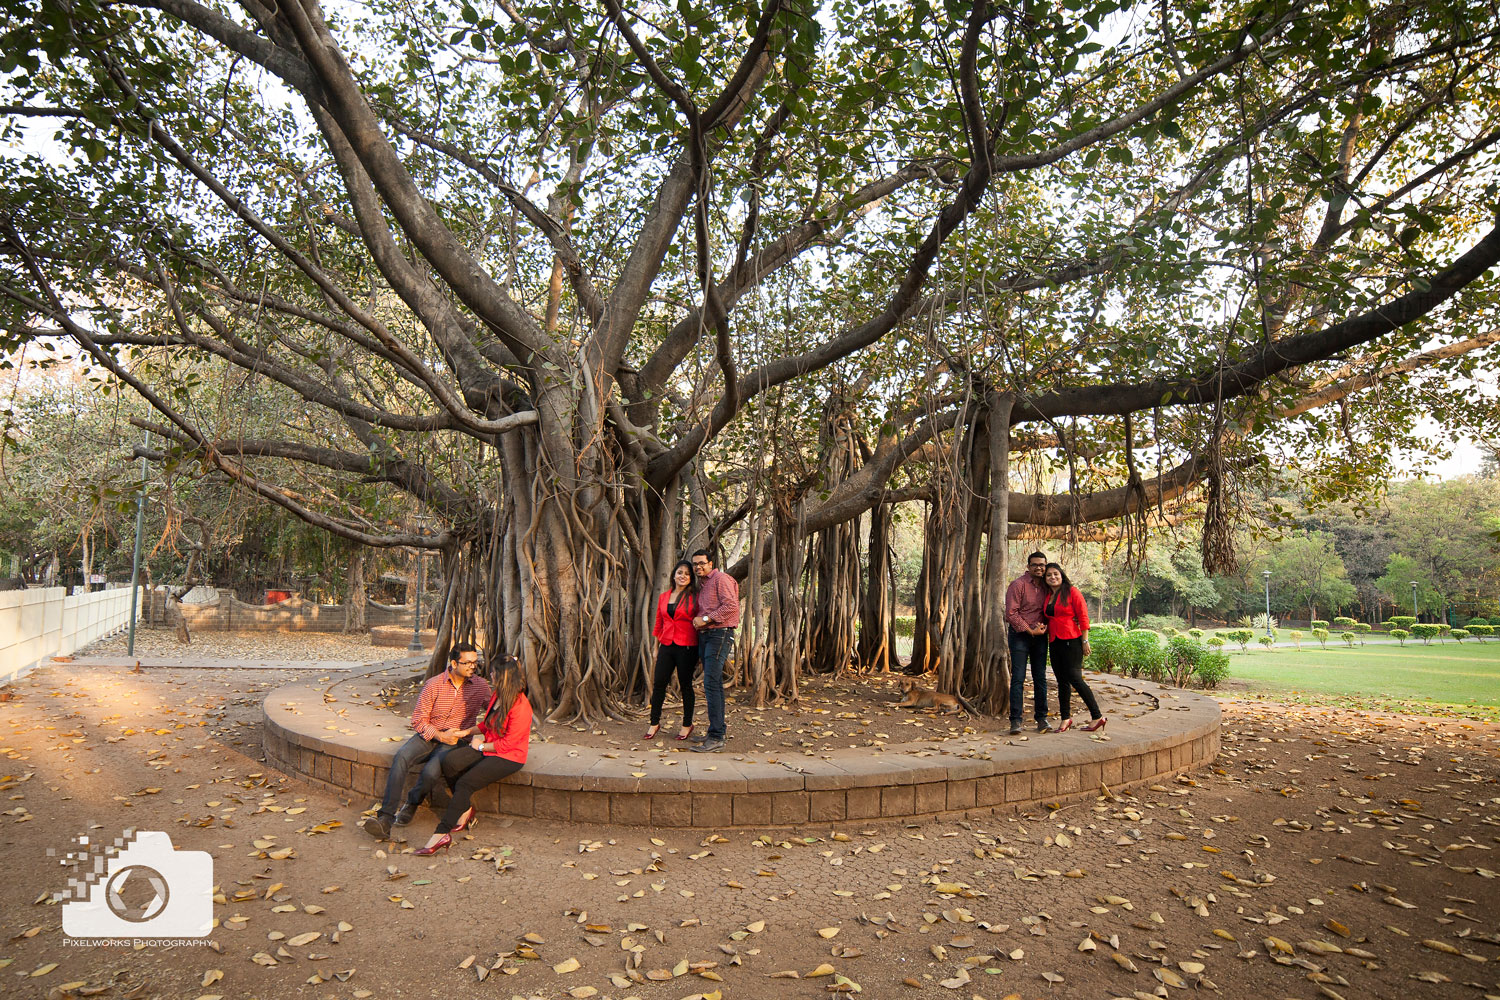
(1144, 655)
(1212, 669)
(1239, 635)
(1481, 632)
(1181, 658)
(1215, 642)
(1104, 627)
(1401, 621)
(1318, 623)
(1196, 633)
(1321, 634)
(1106, 649)
(906, 626)
(1361, 627)
(1400, 635)
(1426, 631)
(1479, 621)
(1460, 634)
(1344, 623)
(1348, 638)
(1267, 640)
(1296, 637)
(1159, 623)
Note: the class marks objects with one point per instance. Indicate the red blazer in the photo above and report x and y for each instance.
(1070, 616)
(677, 629)
(513, 736)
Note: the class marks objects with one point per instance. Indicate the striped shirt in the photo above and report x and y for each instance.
(719, 600)
(440, 706)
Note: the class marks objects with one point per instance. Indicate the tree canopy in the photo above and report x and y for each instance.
(590, 286)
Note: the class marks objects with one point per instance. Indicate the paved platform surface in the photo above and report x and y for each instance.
(343, 744)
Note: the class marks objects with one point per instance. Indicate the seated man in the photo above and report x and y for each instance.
(448, 703)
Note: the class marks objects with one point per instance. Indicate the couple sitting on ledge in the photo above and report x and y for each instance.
(470, 731)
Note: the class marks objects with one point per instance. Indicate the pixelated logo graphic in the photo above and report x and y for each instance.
(136, 885)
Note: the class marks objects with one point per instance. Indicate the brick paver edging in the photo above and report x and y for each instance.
(344, 747)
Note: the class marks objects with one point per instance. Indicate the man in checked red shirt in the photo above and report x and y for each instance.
(444, 716)
(718, 617)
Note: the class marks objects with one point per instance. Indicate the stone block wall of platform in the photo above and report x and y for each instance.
(351, 753)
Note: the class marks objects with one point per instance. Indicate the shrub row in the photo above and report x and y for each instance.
(1141, 653)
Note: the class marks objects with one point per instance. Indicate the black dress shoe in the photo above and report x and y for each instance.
(378, 827)
(405, 813)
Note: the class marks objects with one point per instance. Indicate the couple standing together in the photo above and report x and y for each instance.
(695, 621)
(1042, 609)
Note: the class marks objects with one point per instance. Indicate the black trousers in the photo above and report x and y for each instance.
(1067, 667)
(670, 659)
(467, 771)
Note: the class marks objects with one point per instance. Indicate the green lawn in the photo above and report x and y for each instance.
(1446, 678)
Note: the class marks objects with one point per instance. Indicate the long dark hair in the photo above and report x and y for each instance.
(692, 587)
(509, 682)
(1064, 592)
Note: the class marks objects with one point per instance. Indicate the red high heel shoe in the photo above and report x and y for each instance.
(683, 736)
(468, 821)
(1066, 725)
(444, 842)
(652, 732)
(1097, 724)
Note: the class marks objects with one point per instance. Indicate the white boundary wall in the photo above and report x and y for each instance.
(36, 624)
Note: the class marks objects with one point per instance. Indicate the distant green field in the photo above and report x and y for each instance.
(1450, 677)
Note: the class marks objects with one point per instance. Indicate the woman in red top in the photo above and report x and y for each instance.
(678, 652)
(496, 751)
(1068, 628)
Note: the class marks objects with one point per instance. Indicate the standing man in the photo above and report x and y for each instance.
(1028, 640)
(447, 704)
(718, 617)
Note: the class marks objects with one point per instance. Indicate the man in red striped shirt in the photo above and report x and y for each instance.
(718, 617)
(444, 716)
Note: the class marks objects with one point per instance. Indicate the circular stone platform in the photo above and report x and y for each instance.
(318, 732)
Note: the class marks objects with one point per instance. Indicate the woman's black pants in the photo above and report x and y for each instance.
(467, 771)
(1067, 667)
(670, 659)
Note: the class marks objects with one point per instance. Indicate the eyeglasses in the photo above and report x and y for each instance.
(468, 663)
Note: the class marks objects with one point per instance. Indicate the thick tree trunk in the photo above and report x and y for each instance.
(994, 657)
(354, 604)
(876, 649)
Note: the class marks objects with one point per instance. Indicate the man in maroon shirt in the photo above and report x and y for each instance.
(1028, 641)
(718, 617)
(444, 716)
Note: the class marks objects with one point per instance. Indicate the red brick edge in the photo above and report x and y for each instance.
(344, 748)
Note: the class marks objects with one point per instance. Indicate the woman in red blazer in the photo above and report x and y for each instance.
(1068, 628)
(678, 651)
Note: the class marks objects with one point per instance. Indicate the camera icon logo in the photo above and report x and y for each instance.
(139, 886)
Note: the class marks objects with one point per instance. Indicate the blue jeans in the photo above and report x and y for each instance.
(414, 751)
(1025, 647)
(715, 647)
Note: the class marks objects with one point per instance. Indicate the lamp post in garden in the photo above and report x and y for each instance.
(1266, 574)
(415, 646)
(1414, 612)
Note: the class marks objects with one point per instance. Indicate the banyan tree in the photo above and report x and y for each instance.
(591, 286)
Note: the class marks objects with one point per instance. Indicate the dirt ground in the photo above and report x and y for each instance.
(1324, 854)
(833, 713)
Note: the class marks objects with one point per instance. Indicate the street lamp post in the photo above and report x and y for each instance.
(1414, 612)
(415, 646)
(1267, 575)
(135, 560)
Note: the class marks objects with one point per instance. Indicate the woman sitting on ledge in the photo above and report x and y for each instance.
(496, 751)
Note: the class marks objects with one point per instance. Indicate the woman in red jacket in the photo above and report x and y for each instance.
(496, 751)
(1068, 628)
(678, 651)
